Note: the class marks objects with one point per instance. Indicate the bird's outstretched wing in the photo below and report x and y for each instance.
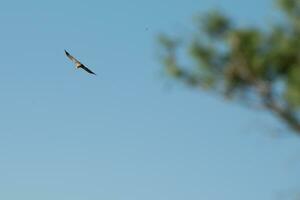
(77, 62)
(86, 69)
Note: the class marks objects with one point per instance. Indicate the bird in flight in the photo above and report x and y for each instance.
(78, 64)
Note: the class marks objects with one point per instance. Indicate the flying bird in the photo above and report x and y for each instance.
(78, 64)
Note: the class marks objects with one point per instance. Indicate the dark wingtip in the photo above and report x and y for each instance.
(66, 52)
(93, 73)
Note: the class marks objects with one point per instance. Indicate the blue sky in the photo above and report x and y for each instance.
(122, 135)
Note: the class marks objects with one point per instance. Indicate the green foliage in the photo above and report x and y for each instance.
(214, 24)
(237, 62)
(290, 7)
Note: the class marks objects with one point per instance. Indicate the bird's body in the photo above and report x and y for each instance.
(78, 64)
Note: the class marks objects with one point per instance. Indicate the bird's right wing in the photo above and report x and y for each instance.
(72, 58)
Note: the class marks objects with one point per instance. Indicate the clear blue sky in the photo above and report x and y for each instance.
(66, 135)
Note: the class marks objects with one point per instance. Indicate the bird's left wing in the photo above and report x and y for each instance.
(87, 69)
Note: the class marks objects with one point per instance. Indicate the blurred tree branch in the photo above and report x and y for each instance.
(245, 64)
